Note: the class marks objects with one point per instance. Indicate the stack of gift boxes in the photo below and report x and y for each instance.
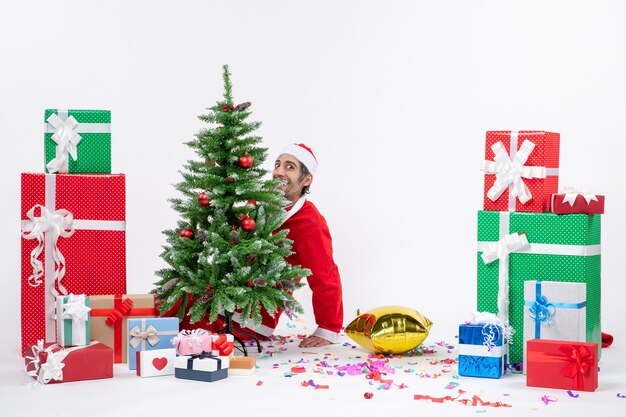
(538, 267)
(75, 309)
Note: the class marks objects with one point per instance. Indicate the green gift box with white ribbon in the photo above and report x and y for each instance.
(77, 141)
(514, 247)
(73, 327)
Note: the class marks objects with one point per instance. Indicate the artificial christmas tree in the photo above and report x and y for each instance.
(239, 263)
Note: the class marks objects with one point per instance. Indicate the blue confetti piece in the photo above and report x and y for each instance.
(571, 394)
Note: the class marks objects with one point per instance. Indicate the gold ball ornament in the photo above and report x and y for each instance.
(389, 329)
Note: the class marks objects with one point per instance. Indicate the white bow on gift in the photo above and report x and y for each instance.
(489, 322)
(572, 192)
(150, 334)
(75, 308)
(67, 139)
(500, 251)
(510, 172)
(50, 224)
(52, 368)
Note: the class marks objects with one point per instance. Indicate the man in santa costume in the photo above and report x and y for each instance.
(295, 168)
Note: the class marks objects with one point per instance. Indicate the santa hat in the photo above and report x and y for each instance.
(303, 153)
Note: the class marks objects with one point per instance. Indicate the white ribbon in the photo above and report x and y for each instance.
(572, 192)
(53, 224)
(490, 319)
(510, 171)
(197, 340)
(500, 250)
(479, 350)
(67, 139)
(52, 368)
(75, 308)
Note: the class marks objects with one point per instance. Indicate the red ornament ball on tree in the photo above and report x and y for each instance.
(246, 161)
(248, 224)
(186, 233)
(208, 287)
(203, 199)
(249, 284)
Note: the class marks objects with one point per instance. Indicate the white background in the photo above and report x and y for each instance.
(393, 97)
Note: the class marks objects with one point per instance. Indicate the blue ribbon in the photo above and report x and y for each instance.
(542, 310)
(203, 355)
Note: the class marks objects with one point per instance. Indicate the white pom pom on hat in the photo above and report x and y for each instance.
(304, 155)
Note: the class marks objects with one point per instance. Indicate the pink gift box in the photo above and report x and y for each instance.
(193, 342)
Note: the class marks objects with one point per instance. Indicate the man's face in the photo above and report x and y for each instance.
(287, 170)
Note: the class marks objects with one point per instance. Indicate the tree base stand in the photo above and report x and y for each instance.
(228, 329)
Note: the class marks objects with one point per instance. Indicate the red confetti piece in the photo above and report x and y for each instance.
(474, 401)
(298, 369)
(368, 395)
(259, 383)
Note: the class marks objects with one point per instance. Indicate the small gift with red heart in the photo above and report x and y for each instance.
(149, 334)
(562, 364)
(196, 341)
(158, 362)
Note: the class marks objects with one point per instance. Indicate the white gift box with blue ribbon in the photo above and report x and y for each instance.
(554, 311)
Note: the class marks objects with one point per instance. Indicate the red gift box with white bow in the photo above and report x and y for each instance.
(577, 201)
(562, 364)
(50, 363)
(521, 170)
(73, 241)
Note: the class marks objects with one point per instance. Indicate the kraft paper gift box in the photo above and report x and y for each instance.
(77, 141)
(242, 365)
(73, 327)
(554, 311)
(73, 241)
(483, 351)
(562, 364)
(522, 170)
(149, 334)
(51, 363)
(155, 362)
(203, 367)
(575, 202)
(109, 316)
(560, 248)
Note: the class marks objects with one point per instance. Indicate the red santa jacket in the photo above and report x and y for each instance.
(312, 247)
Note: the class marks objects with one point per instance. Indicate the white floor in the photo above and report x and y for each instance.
(270, 391)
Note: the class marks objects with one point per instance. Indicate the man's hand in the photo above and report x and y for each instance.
(314, 341)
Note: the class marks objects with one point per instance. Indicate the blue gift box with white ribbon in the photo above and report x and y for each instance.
(555, 311)
(483, 351)
(150, 334)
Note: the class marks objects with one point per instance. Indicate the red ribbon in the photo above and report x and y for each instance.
(580, 362)
(224, 347)
(120, 309)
